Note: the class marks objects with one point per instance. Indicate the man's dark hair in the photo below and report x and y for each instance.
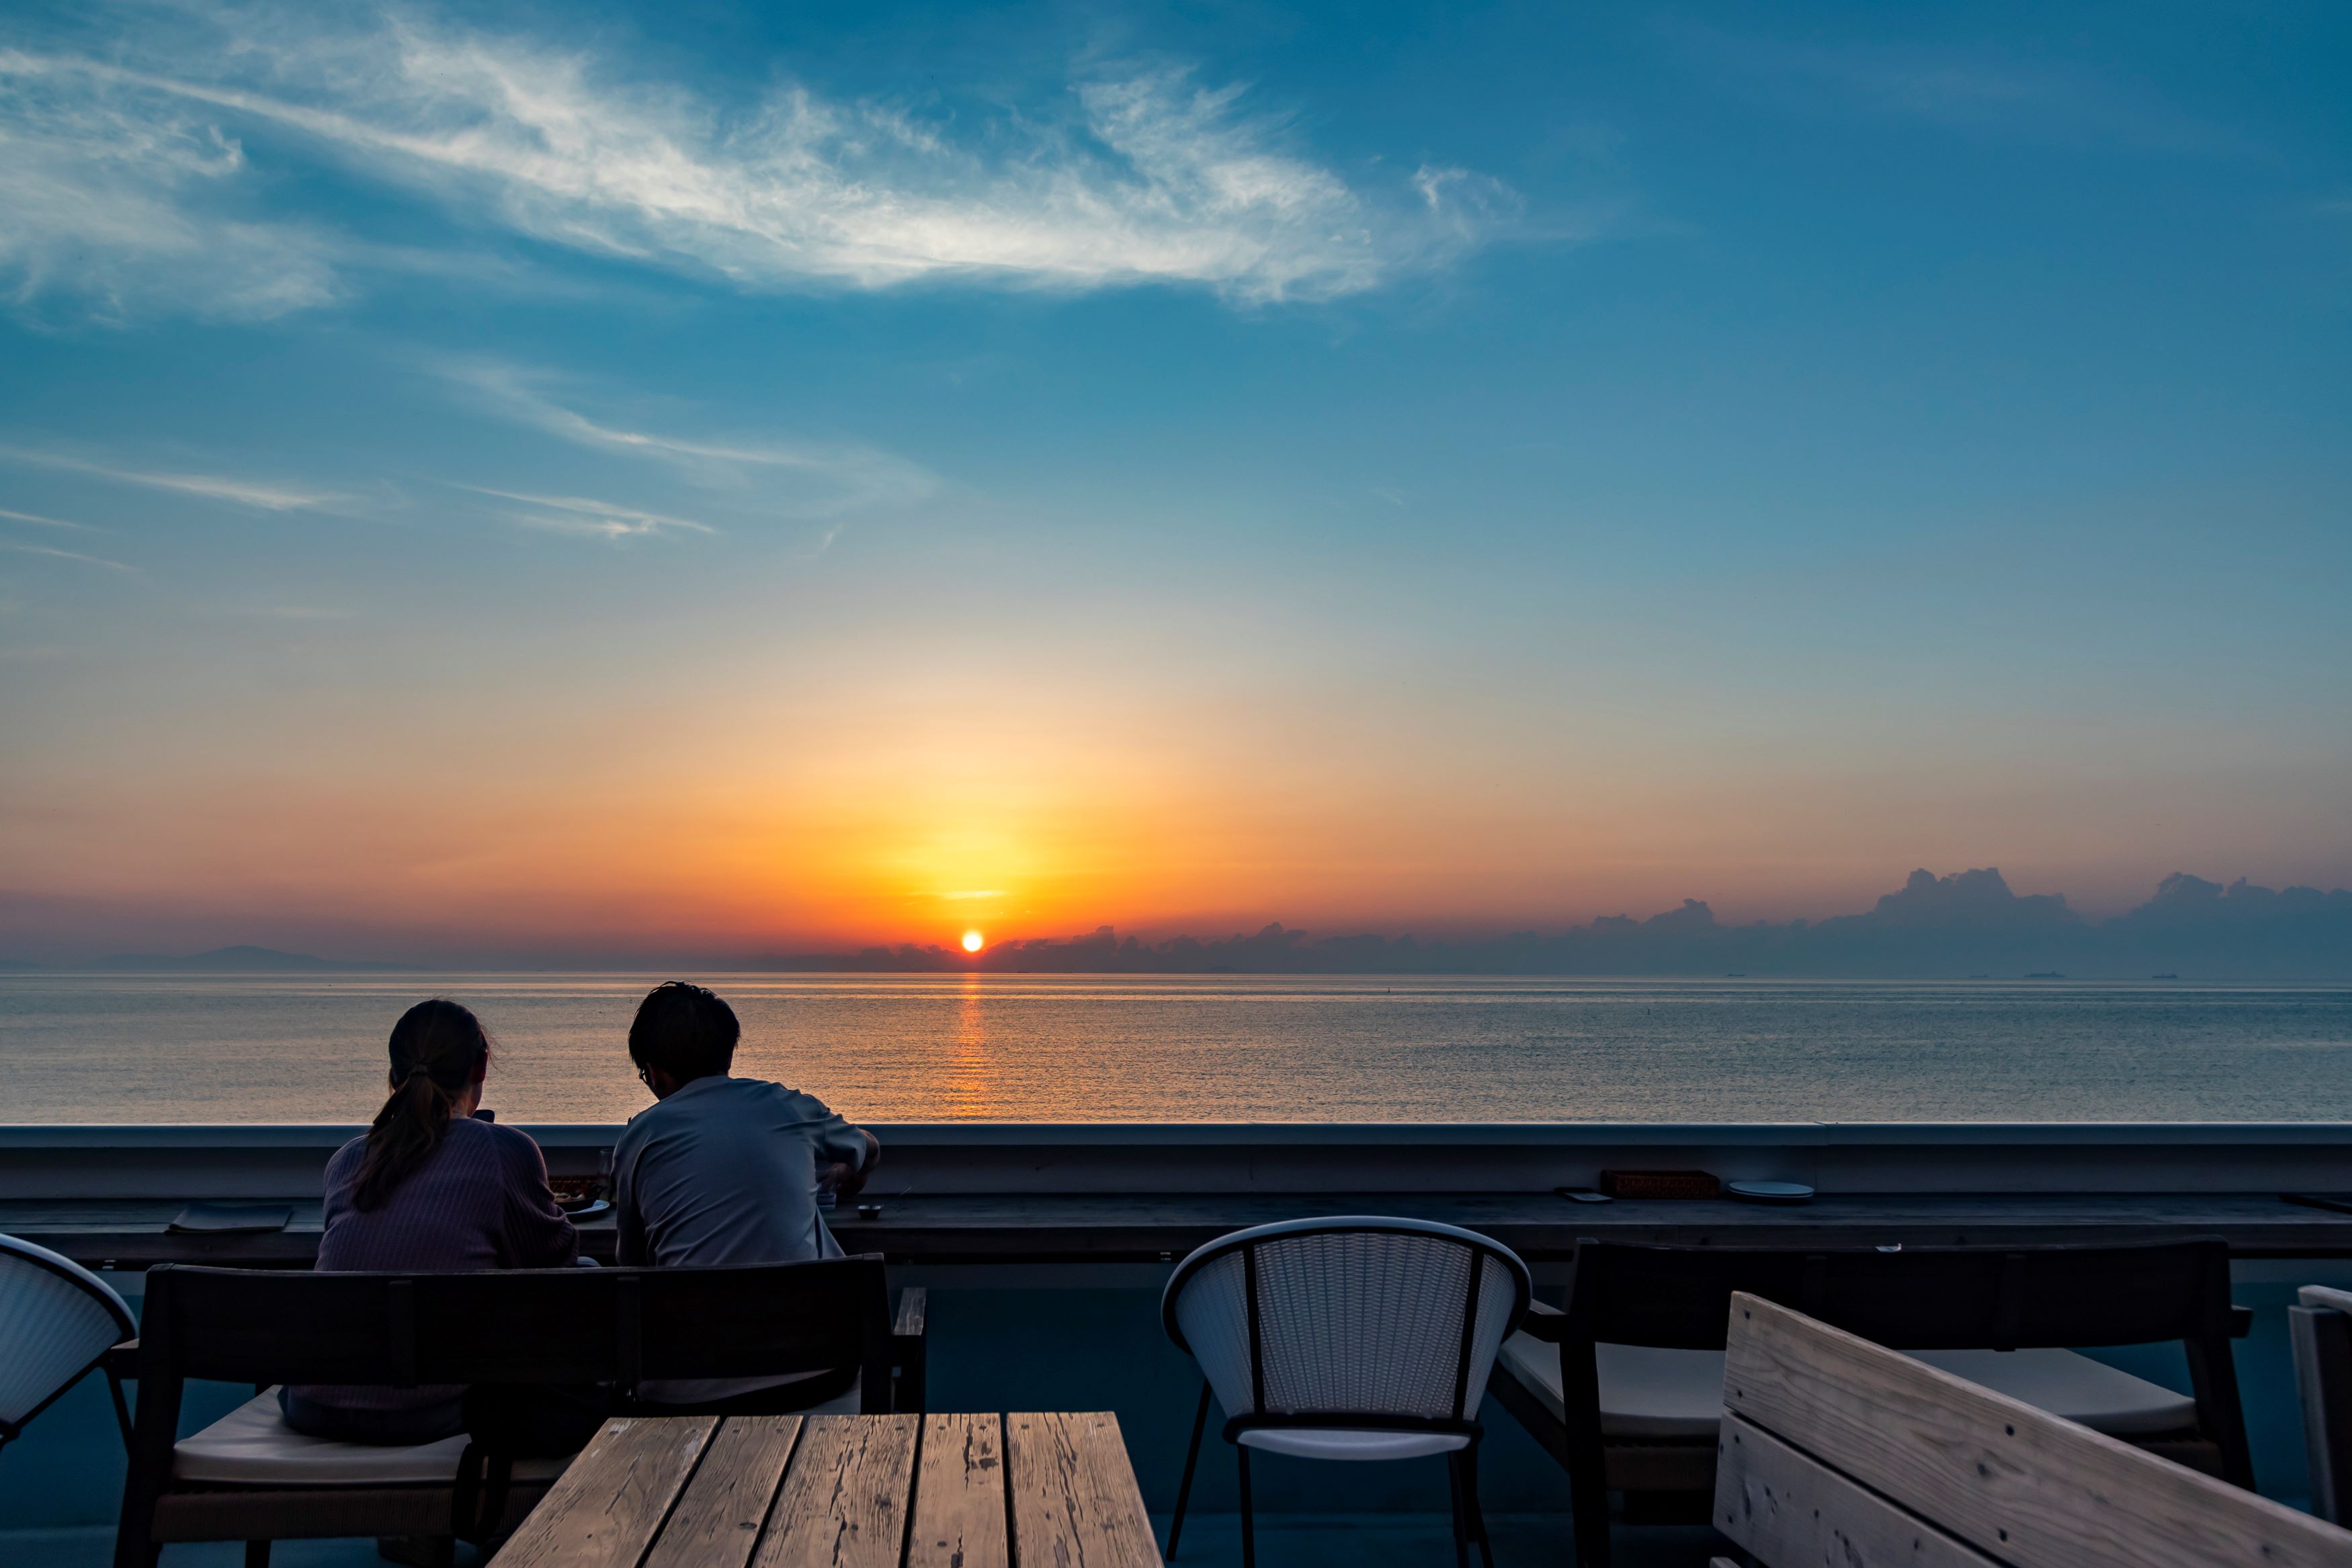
(685, 1031)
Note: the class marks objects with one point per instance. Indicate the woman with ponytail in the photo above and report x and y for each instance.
(432, 1186)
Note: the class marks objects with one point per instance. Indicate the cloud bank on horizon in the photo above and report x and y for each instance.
(1966, 924)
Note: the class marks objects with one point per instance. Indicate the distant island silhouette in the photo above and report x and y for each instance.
(241, 959)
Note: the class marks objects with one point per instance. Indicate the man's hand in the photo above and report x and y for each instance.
(845, 1182)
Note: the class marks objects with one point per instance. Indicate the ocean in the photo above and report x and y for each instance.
(310, 1048)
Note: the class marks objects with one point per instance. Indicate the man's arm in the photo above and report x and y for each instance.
(629, 1243)
(848, 1180)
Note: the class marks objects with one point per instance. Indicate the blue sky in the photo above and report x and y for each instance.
(584, 472)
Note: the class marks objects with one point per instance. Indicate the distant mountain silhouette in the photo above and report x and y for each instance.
(246, 959)
(1966, 924)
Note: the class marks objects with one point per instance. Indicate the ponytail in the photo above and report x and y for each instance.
(437, 1047)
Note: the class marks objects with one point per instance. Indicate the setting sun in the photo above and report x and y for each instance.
(972, 941)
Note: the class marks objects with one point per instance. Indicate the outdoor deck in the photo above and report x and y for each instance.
(1045, 1251)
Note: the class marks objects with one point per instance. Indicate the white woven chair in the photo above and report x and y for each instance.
(1352, 1338)
(57, 1321)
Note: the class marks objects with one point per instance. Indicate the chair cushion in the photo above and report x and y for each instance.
(2075, 1387)
(1647, 1393)
(1337, 1443)
(253, 1446)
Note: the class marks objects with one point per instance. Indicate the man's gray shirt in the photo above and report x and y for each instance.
(724, 1171)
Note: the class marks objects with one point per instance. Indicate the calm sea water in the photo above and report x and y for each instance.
(925, 1048)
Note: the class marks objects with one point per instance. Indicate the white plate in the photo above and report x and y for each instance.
(1770, 1191)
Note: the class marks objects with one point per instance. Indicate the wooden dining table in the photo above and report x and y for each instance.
(1053, 1488)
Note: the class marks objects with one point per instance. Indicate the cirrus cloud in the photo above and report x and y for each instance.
(801, 480)
(146, 158)
(266, 494)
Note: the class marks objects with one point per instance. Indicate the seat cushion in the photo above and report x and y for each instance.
(1321, 1443)
(1645, 1393)
(2074, 1386)
(1648, 1394)
(253, 1446)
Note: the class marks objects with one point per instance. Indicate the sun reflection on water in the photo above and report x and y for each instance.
(970, 1087)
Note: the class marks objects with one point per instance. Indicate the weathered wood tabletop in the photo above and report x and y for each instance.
(850, 1491)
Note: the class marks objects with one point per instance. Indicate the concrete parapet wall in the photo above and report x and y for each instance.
(1098, 1158)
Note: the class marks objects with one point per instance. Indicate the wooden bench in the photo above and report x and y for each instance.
(250, 1477)
(1835, 1449)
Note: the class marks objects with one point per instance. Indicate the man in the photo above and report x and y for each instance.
(721, 1169)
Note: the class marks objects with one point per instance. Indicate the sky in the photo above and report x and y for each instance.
(578, 480)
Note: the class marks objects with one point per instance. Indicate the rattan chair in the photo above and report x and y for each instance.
(59, 1322)
(1355, 1338)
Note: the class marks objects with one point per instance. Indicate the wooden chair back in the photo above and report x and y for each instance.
(1834, 1450)
(1958, 1298)
(1966, 1298)
(2319, 1325)
(518, 1325)
(1946, 1297)
(511, 1326)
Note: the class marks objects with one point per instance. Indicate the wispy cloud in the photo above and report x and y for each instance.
(124, 202)
(747, 482)
(37, 519)
(794, 478)
(584, 515)
(13, 546)
(267, 495)
(1149, 175)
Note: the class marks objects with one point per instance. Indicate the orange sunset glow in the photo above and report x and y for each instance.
(1329, 518)
(776, 822)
